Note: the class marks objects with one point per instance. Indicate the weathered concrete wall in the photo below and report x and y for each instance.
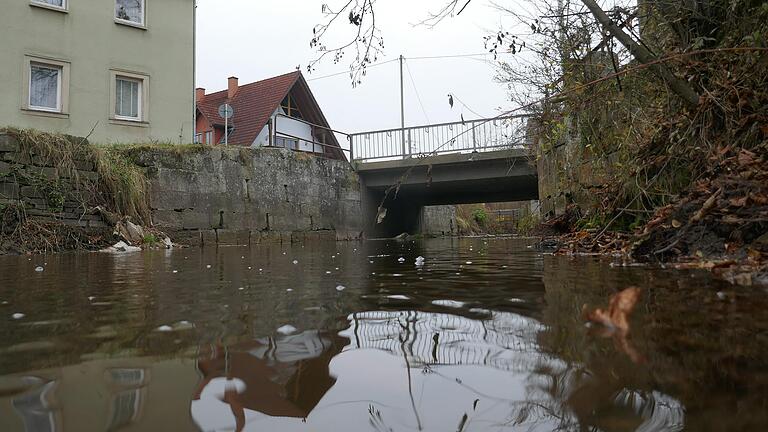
(39, 188)
(247, 196)
(438, 220)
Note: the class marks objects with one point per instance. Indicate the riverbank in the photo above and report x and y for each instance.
(720, 224)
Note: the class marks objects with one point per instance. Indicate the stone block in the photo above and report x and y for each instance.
(208, 237)
(8, 143)
(225, 237)
(5, 168)
(30, 192)
(167, 219)
(16, 157)
(193, 219)
(83, 165)
(9, 191)
(88, 175)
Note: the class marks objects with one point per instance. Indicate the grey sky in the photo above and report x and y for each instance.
(256, 39)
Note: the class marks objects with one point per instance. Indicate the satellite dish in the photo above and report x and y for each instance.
(226, 111)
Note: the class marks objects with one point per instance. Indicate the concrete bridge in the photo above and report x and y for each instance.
(474, 161)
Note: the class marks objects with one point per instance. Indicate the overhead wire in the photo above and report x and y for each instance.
(371, 66)
(416, 90)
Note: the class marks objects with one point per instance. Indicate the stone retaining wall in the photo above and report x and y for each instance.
(218, 195)
(44, 192)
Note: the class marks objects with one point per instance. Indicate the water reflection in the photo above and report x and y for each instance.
(486, 335)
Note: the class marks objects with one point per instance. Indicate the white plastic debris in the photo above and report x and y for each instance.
(91, 298)
(121, 246)
(208, 266)
(286, 329)
(328, 272)
(164, 328)
(340, 287)
(295, 261)
(401, 260)
(469, 262)
(39, 269)
(448, 303)
(289, 290)
(175, 271)
(398, 297)
(17, 316)
(419, 261)
(168, 243)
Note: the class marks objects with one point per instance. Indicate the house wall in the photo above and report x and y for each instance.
(89, 39)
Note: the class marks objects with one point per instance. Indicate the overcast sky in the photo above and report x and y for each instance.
(257, 39)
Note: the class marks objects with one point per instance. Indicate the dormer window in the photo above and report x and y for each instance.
(290, 108)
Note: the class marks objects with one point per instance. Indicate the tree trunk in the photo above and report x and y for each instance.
(679, 86)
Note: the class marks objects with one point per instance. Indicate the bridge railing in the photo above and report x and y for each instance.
(464, 136)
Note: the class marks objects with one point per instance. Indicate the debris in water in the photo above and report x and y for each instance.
(39, 269)
(208, 266)
(370, 262)
(295, 261)
(419, 260)
(17, 316)
(469, 262)
(249, 268)
(286, 329)
(289, 289)
(397, 274)
(398, 297)
(164, 328)
(328, 272)
(91, 298)
(401, 260)
(517, 300)
(121, 246)
(721, 295)
(340, 287)
(620, 306)
(241, 288)
(175, 271)
(448, 303)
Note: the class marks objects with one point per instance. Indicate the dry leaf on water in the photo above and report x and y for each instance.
(620, 306)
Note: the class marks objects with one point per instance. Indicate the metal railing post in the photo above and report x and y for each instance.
(351, 147)
(474, 137)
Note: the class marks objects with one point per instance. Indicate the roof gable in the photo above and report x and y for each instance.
(254, 104)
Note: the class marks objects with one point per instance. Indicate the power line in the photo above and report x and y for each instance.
(347, 72)
(467, 106)
(416, 90)
(412, 58)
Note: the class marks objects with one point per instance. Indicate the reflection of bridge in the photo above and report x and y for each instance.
(444, 339)
(484, 160)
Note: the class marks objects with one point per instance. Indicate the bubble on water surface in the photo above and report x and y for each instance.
(39, 269)
(340, 287)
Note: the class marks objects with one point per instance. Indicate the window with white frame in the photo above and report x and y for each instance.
(128, 98)
(57, 4)
(45, 82)
(209, 137)
(131, 11)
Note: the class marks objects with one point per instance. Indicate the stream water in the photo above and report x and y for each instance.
(485, 335)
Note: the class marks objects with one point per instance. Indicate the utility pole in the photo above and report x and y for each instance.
(402, 108)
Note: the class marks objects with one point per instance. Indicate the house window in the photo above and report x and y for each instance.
(209, 137)
(131, 11)
(127, 98)
(52, 4)
(45, 82)
(290, 108)
(198, 138)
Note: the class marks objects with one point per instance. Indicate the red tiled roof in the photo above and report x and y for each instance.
(253, 104)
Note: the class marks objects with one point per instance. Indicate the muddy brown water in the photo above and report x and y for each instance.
(486, 335)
